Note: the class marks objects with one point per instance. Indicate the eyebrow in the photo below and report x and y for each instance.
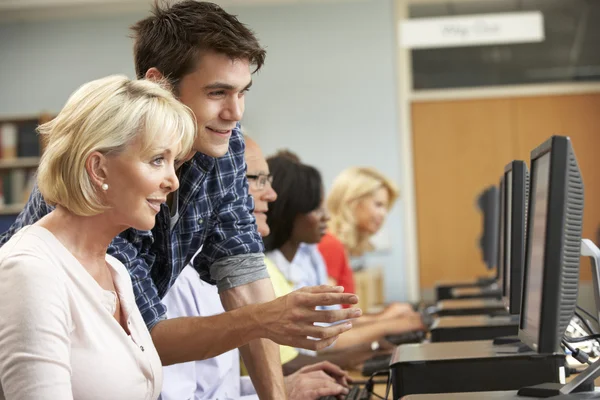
(225, 86)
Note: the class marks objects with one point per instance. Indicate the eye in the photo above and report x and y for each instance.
(158, 161)
(243, 92)
(217, 93)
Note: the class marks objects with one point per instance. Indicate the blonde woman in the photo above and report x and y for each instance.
(358, 204)
(69, 324)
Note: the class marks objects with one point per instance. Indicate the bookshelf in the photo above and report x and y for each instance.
(20, 151)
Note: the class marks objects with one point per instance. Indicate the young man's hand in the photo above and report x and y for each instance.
(316, 380)
(289, 320)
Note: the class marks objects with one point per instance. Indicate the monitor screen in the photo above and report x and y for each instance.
(535, 254)
(507, 232)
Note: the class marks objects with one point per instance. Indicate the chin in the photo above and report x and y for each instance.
(214, 149)
(144, 225)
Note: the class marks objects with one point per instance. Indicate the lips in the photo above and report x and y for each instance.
(220, 131)
(155, 203)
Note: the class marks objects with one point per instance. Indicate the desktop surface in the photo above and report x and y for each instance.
(470, 303)
(501, 395)
(473, 321)
(480, 349)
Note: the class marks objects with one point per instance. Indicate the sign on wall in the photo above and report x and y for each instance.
(472, 30)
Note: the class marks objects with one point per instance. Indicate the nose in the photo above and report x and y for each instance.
(234, 108)
(326, 216)
(270, 194)
(171, 182)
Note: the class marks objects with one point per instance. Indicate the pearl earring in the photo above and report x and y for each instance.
(105, 186)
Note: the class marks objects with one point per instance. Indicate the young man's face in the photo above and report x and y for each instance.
(215, 92)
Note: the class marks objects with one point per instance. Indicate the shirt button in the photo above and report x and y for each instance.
(200, 221)
(142, 348)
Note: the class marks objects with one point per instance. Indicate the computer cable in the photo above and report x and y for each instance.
(370, 382)
(585, 323)
(595, 319)
(595, 336)
(578, 354)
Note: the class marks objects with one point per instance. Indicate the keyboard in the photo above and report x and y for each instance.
(356, 393)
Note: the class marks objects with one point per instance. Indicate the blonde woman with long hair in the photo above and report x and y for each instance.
(358, 204)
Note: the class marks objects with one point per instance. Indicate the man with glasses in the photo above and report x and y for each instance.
(219, 377)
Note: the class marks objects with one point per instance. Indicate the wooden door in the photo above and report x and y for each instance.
(460, 147)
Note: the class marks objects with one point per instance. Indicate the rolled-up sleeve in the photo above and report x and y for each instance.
(234, 249)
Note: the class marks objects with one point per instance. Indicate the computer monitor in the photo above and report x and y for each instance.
(553, 242)
(488, 204)
(501, 237)
(516, 182)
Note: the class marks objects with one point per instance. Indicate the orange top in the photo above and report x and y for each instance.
(336, 259)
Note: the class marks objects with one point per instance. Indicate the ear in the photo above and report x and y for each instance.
(154, 75)
(96, 167)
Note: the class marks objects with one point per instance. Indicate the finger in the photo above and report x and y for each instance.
(311, 344)
(325, 332)
(322, 289)
(331, 316)
(329, 299)
(318, 388)
(330, 369)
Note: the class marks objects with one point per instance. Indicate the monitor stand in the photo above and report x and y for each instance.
(585, 379)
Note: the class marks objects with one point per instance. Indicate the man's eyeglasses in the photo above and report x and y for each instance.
(260, 180)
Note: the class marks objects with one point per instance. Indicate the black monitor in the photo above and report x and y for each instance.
(513, 219)
(554, 223)
(487, 202)
(501, 237)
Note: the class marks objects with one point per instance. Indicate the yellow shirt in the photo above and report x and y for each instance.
(281, 287)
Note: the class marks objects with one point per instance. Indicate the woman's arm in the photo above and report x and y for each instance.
(34, 331)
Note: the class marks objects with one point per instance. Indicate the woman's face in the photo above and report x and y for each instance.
(139, 183)
(371, 211)
(310, 227)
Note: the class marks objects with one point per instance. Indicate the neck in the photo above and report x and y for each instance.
(289, 250)
(87, 238)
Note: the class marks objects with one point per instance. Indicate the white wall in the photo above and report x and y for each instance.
(327, 90)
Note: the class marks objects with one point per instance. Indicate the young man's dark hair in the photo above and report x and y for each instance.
(299, 189)
(174, 38)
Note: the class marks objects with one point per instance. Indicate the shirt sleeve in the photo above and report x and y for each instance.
(34, 210)
(180, 380)
(234, 233)
(35, 330)
(132, 248)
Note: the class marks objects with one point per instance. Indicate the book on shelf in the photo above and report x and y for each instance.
(18, 139)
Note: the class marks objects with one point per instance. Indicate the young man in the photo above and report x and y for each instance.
(206, 56)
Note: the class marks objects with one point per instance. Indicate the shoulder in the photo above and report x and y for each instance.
(30, 264)
(330, 242)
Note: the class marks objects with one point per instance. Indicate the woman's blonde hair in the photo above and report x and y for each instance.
(349, 188)
(106, 115)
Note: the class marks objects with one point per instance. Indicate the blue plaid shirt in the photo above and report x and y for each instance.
(215, 212)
